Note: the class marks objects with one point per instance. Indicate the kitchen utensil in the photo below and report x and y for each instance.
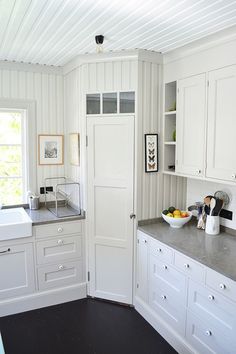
(212, 205)
(218, 207)
(223, 196)
(207, 199)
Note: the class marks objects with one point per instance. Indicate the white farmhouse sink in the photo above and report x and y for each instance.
(14, 223)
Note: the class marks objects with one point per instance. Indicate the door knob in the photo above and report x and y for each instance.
(132, 216)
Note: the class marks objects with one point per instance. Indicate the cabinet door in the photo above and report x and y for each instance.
(142, 266)
(221, 157)
(190, 125)
(16, 270)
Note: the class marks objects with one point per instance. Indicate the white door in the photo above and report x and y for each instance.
(110, 203)
(16, 270)
(221, 157)
(191, 123)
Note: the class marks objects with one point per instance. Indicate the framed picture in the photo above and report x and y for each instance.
(74, 149)
(51, 149)
(151, 152)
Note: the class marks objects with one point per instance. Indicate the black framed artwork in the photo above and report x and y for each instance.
(151, 152)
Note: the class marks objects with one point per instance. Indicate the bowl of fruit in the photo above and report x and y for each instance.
(176, 218)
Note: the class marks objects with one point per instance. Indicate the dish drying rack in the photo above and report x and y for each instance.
(62, 196)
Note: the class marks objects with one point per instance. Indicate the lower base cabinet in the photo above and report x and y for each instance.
(195, 305)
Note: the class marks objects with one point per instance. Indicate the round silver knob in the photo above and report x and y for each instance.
(233, 176)
(60, 242)
(163, 297)
(198, 172)
(211, 297)
(60, 229)
(145, 241)
(60, 267)
(222, 286)
(164, 266)
(159, 250)
(208, 333)
(186, 265)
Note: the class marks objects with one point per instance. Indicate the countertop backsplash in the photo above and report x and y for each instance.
(197, 190)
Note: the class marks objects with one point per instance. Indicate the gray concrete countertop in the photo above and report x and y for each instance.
(216, 252)
(44, 216)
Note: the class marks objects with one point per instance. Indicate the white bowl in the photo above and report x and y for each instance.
(177, 223)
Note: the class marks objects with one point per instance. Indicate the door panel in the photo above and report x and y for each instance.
(221, 159)
(190, 129)
(110, 203)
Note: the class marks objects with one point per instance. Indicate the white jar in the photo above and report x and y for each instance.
(212, 225)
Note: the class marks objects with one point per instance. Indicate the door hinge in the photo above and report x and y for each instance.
(86, 140)
(88, 276)
(137, 286)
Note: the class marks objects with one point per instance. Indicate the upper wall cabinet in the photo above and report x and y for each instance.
(221, 157)
(190, 125)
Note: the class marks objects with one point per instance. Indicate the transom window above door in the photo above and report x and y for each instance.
(110, 103)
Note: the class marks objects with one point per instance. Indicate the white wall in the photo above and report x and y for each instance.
(197, 190)
(154, 191)
(45, 87)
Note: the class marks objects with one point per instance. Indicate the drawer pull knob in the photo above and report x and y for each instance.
(198, 172)
(222, 286)
(159, 250)
(60, 242)
(145, 241)
(60, 229)
(208, 333)
(60, 267)
(163, 297)
(186, 265)
(233, 176)
(164, 266)
(211, 297)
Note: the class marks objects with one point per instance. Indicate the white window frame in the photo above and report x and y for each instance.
(29, 138)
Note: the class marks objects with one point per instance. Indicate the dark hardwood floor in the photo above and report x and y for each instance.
(85, 326)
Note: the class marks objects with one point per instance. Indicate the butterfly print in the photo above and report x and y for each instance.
(151, 159)
(151, 167)
(151, 145)
(151, 152)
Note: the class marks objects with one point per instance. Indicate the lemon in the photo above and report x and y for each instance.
(170, 215)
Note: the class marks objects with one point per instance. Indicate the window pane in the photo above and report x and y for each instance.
(10, 161)
(11, 191)
(10, 127)
(109, 102)
(127, 101)
(93, 103)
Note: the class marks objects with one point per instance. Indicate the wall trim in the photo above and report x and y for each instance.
(135, 54)
(214, 40)
(42, 299)
(28, 67)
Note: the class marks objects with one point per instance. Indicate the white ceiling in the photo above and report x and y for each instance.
(53, 32)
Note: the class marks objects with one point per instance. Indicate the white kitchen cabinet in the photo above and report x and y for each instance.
(142, 266)
(16, 270)
(221, 159)
(191, 125)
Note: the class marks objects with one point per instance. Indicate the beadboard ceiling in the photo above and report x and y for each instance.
(53, 32)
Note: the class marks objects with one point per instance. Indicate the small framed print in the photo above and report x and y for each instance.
(151, 153)
(74, 149)
(51, 149)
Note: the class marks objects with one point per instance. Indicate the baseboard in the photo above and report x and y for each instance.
(172, 337)
(42, 299)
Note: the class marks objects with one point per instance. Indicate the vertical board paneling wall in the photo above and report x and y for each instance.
(154, 190)
(46, 89)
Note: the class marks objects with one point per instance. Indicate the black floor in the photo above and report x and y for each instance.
(85, 326)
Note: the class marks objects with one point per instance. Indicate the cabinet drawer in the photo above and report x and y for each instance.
(164, 302)
(222, 284)
(189, 267)
(210, 306)
(59, 275)
(161, 251)
(56, 229)
(207, 338)
(163, 272)
(59, 249)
